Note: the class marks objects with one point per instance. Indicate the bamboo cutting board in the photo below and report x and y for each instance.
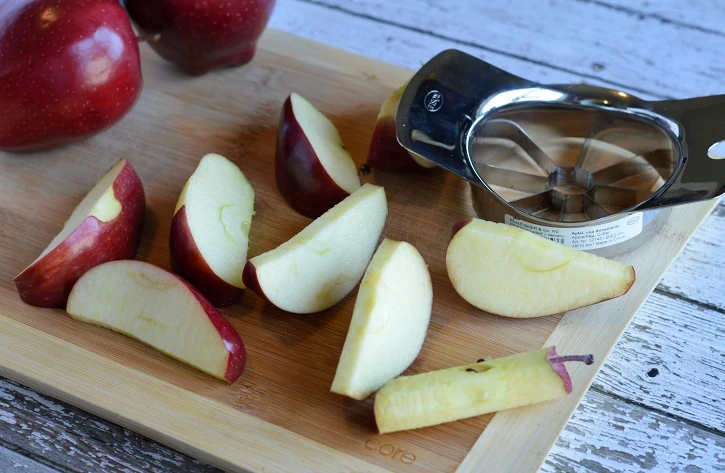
(280, 415)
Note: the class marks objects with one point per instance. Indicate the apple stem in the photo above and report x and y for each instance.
(148, 38)
(586, 359)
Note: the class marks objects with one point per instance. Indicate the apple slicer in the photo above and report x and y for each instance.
(593, 168)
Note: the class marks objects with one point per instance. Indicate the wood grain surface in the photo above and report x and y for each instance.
(639, 435)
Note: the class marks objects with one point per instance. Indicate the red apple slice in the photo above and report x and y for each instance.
(385, 153)
(210, 229)
(162, 310)
(105, 226)
(389, 322)
(322, 264)
(508, 271)
(313, 170)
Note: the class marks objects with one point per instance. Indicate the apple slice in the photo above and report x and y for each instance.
(385, 153)
(508, 271)
(162, 310)
(210, 230)
(106, 225)
(313, 170)
(321, 265)
(389, 322)
(436, 397)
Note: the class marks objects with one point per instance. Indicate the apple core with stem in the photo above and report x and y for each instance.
(436, 397)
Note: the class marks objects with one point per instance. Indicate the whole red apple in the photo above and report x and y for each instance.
(201, 36)
(68, 70)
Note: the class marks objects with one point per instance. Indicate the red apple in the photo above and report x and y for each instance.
(105, 226)
(201, 36)
(162, 310)
(69, 69)
(313, 170)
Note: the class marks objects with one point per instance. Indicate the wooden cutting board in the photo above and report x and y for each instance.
(280, 415)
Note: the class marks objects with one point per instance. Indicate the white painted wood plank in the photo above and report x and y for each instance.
(672, 359)
(392, 44)
(699, 273)
(699, 14)
(585, 38)
(79, 442)
(607, 435)
(14, 462)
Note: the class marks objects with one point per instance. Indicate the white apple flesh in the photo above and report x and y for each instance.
(321, 265)
(508, 271)
(105, 226)
(389, 322)
(162, 310)
(210, 230)
(312, 168)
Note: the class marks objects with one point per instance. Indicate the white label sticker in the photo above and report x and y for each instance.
(586, 238)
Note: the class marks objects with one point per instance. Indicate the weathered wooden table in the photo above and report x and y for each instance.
(658, 404)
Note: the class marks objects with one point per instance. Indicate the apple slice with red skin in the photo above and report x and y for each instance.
(385, 153)
(70, 69)
(201, 36)
(511, 272)
(313, 170)
(210, 230)
(436, 397)
(322, 264)
(162, 310)
(106, 225)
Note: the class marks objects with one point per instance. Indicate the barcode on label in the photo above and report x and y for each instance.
(555, 239)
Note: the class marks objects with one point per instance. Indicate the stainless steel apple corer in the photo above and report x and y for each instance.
(593, 168)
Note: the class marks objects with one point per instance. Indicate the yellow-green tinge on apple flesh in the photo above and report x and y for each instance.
(100, 202)
(321, 265)
(153, 306)
(389, 110)
(436, 397)
(219, 203)
(511, 272)
(326, 141)
(389, 321)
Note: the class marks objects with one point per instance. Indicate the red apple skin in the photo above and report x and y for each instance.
(560, 369)
(70, 69)
(459, 225)
(237, 353)
(187, 262)
(385, 153)
(249, 278)
(48, 282)
(201, 36)
(301, 178)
